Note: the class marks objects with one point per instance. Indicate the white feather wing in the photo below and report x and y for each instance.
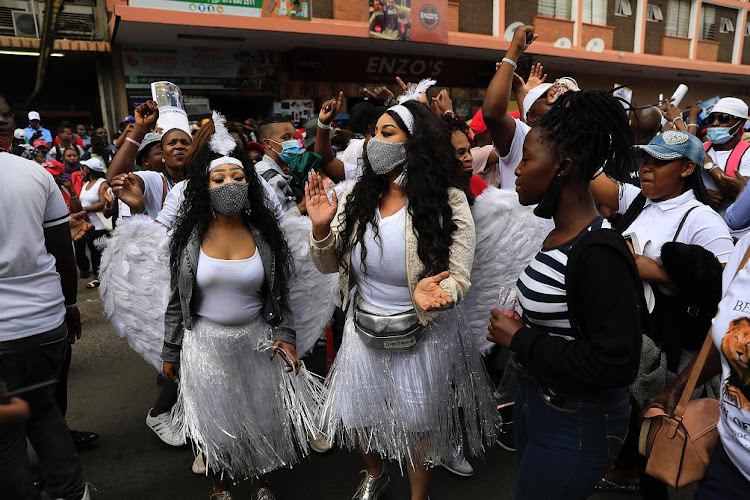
(135, 284)
(313, 295)
(508, 237)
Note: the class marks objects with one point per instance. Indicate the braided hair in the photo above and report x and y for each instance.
(590, 126)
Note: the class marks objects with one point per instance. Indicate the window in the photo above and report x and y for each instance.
(678, 18)
(653, 14)
(595, 12)
(726, 25)
(708, 22)
(623, 8)
(554, 8)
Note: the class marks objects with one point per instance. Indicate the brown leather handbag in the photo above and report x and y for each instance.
(678, 447)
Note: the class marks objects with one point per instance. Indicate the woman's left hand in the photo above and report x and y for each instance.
(290, 351)
(429, 295)
(502, 327)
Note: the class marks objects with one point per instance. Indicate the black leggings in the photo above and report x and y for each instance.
(166, 399)
(96, 254)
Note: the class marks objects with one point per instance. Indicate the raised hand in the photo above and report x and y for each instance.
(319, 208)
(407, 86)
(127, 188)
(382, 92)
(536, 77)
(146, 115)
(429, 295)
(442, 103)
(522, 38)
(330, 109)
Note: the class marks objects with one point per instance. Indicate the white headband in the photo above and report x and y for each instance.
(405, 115)
(413, 94)
(224, 160)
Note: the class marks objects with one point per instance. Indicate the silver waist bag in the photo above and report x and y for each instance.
(399, 331)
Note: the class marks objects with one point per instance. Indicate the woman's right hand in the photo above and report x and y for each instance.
(171, 370)
(330, 109)
(523, 36)
(146, 115)
(319, 208)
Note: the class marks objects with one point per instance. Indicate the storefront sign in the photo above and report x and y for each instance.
(363, 67)
(293, 9)
(200, 68)
(415, 20)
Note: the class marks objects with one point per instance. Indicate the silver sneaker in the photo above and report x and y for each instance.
(372, 487)
(458, 465)
(263, 493)
(224, 495)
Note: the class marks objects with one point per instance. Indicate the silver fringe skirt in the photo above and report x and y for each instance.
(412, 406)
(238, 406)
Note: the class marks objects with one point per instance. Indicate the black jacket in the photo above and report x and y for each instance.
(605, 301)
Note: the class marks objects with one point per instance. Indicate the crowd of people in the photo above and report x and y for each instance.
(595, 242)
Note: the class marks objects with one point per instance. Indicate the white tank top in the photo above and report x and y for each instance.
(230, 292)
(89, 197)
(386, 284)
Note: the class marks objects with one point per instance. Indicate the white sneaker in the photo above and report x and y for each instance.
(199, 466)
(161, 425)
(86, 494)
(458, 465)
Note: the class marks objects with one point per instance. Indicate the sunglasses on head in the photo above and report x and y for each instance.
(722, 118)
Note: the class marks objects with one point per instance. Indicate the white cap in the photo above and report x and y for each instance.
(534, 94)
(19, 134)
(33, 115)
(731, 106)
(94, 164)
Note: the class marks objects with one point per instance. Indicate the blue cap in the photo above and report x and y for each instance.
(128, 119)
(675, 144)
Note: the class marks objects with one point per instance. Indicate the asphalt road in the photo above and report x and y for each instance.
(111, 388)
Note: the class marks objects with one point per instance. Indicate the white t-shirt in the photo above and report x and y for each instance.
(509, 163)
(175, 196)
(353, 153)
(30, 292)
(658, 223)
(230, 292)
(732, 341)
(386, 284)
(721, 158)
(153, 193)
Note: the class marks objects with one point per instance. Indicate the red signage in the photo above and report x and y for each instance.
(429, 21)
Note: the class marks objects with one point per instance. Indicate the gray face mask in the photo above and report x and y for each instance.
(385, 156)
(229, 199)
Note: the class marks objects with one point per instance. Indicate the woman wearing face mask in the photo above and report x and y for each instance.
(228, 315)
(578, 343)
(402, 241)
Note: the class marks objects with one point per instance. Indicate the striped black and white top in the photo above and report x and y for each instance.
(542, 292)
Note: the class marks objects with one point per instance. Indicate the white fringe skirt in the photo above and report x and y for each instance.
(238, 406)
(412, 406)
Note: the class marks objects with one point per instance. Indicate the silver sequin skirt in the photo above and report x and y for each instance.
(412, 406)
(238, 406)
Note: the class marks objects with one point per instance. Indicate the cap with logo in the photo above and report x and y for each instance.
(33, 115)
(54, 167)
(675, 144)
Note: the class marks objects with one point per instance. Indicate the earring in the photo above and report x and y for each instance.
(163, 160)
(247, 208)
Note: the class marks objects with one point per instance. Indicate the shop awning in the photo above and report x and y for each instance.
(64, 45)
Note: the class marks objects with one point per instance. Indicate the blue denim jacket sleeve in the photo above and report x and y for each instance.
(738, 213)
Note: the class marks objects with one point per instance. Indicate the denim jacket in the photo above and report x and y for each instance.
(181, 308)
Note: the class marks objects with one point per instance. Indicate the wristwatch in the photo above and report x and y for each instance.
(709, 166)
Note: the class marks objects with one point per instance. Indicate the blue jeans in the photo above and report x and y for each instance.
(565, 445)
(723, 480)
(25, 362)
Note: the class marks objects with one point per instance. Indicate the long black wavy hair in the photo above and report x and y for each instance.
(431, 170)
(195, 212)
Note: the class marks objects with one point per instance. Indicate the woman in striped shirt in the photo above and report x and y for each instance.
(578, 341)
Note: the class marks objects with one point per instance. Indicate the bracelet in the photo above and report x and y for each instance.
(692, 125)
(133, 141)
(389, 101)
(678, 118)
(511, 62)
(323, 125)
(74, 305)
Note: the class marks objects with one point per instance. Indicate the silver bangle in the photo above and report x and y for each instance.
(74, 305)
(323, 125)
(511, 62)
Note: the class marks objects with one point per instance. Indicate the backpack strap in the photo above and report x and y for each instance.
(269, 174)
(682, 223)
(735, 157)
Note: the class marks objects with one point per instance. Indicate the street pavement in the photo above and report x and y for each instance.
(111, 388)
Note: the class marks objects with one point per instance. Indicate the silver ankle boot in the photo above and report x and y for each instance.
(263, 493)
(372, 487)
